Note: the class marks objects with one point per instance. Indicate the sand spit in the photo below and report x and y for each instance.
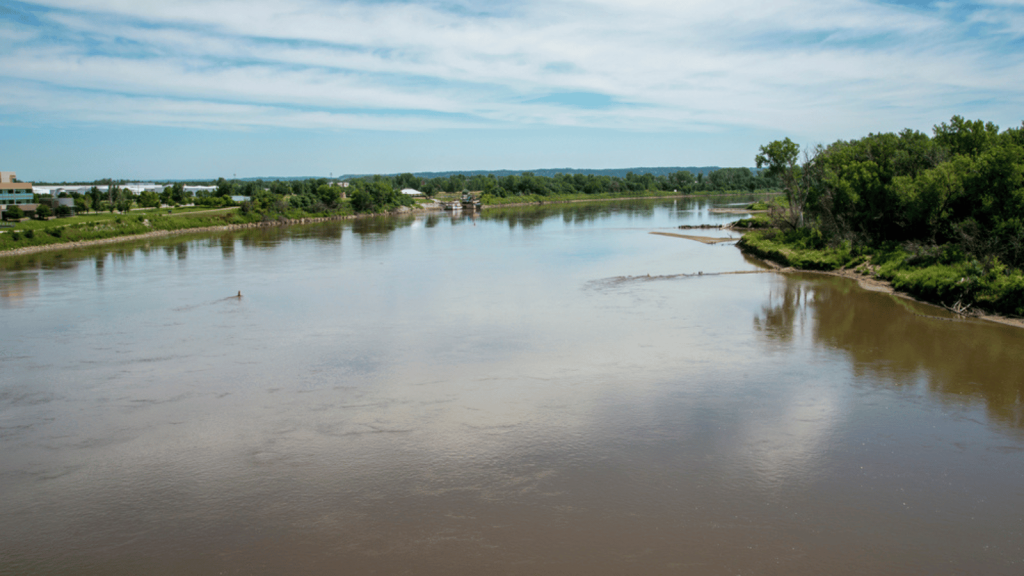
(703, 239)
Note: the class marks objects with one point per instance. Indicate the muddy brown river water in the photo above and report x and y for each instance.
(533, 391)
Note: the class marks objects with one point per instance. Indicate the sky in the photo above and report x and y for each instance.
(167, 89)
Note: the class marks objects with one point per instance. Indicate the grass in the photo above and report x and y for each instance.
(101, 226)
(757, 221)
(803, 249)
(103, 217)
(989, 286)
(947, 281)
(106, 225)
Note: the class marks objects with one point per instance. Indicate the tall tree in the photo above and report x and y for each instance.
(782, 160)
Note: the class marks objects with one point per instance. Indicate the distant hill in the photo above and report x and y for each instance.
(549, 172)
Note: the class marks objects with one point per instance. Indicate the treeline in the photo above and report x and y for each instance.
(378, 193)
(530, 184)
(552, 172)
(279, 198)
(314, 195)
(942, 214)
(321, 196)
(381, 193)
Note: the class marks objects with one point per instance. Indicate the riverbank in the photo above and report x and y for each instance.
(72, 244)
(960, 293)
(103, 229)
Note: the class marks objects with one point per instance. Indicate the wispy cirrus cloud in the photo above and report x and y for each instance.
(652, 65)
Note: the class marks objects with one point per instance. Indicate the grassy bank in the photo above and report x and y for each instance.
(90, 227)
(940, 275)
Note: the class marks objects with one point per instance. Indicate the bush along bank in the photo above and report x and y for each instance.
(941, 276)
(940, 218)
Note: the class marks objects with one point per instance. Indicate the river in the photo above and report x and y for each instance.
(531, 390)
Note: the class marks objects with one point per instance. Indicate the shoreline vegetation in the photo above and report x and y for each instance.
(73, 244)
(869, 281)
(296, 200)
(938, 218)
(99, 229)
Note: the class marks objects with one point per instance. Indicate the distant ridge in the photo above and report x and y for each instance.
(546, 172)
(549, 172)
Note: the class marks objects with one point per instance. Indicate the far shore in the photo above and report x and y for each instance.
(653, 197)
(286, 222)
(162, 233)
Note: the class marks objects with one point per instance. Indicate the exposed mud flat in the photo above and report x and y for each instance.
(736, 211)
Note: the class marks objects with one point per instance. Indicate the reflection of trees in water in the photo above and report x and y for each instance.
(258, 238)
(17, 286)
(370, 229)
(783, 313)
(323, 232)
(226, 244)
(887, 341)
(179, 251)
(519, 216)
(572, 213)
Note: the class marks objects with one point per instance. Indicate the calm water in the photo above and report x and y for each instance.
(506, 395)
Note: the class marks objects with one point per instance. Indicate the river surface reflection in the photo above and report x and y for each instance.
(530, 391)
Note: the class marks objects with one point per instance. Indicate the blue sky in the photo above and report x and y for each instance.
(208, 88)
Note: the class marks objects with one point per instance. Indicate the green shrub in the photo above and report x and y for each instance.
(798, 248)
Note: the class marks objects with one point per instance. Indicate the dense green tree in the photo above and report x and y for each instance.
(149, 199)
(329, 195)
(781, 159)
(377, 195)
(83, 204)
(225, 188)
(177, 194)
(962, 189)
(97, 197)
(966, 136)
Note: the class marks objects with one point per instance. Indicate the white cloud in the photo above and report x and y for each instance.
(13, 34)
(794, 64)
(107, 108)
